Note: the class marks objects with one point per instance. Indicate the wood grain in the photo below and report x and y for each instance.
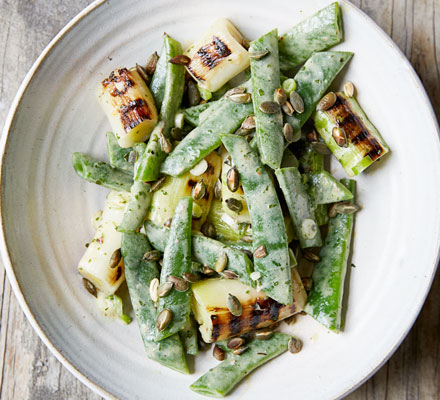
(29, 371)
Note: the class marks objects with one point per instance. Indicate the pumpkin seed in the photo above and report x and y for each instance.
(132, 156)
(257, 55)
(310, 256)
(249, 123)
(287, 108)
(307, 283)
(326, 102)
(180, 59)
(297, 102)
(218, 353)
(228, 274)
(344, 207)
(255, 275)
(235, 342)
(218, 189)
(167, 223)
(163, 319)
(280, 96)
(221, 262)
(309, 229)
(234, 205)
(269, 107)
(234, 305)
(142, 73)
(150, 67)
(288, 133)
(260, 252)
(90, 287)
(197, 211)
(115, 258)
(180, 284)
(165, 144)
(199, 190)
(241, 98)
(232, 180)
(263, 335)
(158, 184)
(208, 271)
(193, 94)
(200, 168)
(240, 350)
(246, 43)
(339, 136)
(241, 132)
(165, 288)
(294, 345)
(349, 89)
(320, 148)
(208, 230)
(191, 277)
(154, 290)
(236, 90)
(176, 133)
(153, 255)
(312, 136)
(247, 239)
(291, 320)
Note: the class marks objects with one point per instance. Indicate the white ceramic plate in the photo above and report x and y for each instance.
(46, 208)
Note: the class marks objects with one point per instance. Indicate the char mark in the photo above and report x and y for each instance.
(118, 82)
(134, 113)
(356, 131)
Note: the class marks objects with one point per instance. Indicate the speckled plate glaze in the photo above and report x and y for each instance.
(46, 208)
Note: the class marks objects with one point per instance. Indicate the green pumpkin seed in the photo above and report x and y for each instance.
(235, 342)
(234, 205)
(191, 277)
(294, 345)
(249, 123)
(208, 230)
(349, 89)
(240, 350)
(154, 290)
(142, 73)
(236, 90)
(297, 102)
(260, 252)
(344, 207)
(197, 211)
(168, 222)
(218, 353)
(180, 59)
(241, 98)
(280, 96)
(153, 255)
(180, 284)
(132, 157)
(339, 136)
(165, 144)
(234, 305)
(150, 67)
(310, 256)
(258, 55)
(90, 287)
(158, 184)
(115, 258)
(221, 262)
(288, 133)
(326, 102)
(208, 271)
(165, 288)
(263, 335)
(218, 189)
(232, 180)
(199, 190)
(193, 94)
(163, 319)
(228, 274)
(269, 107)
(287, 108)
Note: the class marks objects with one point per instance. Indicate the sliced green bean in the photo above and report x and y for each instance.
(327, 189)
(315, 77)
(139, 273)
(206, 251)
(117, 155)
(176, 262)
(137, 208)
(101, 173)
(206, 137)
(188, 335)
(158, 81)
(265, 75)
(300, 207)
(271, 256)
(325, 299)
(317, 33)
(220, 380)
(152, 158)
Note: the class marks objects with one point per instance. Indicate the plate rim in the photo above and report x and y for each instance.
(7, 262)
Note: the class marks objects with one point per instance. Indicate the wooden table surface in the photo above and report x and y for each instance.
(30, 371)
